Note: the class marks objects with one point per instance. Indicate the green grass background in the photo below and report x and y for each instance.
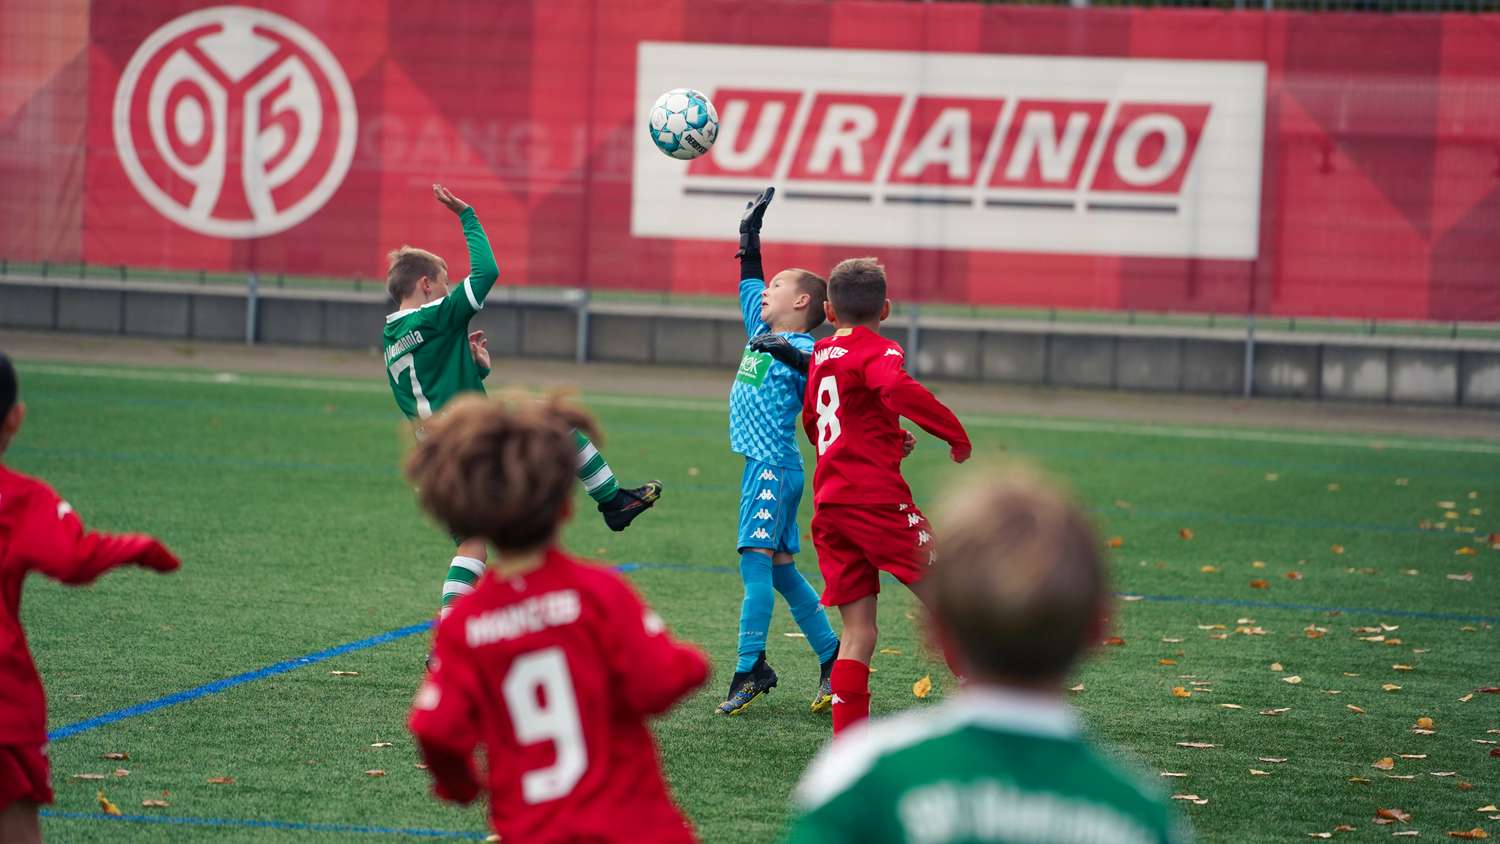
(298, 534)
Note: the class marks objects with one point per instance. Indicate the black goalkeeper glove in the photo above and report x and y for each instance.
(755, 212)
(777, 347)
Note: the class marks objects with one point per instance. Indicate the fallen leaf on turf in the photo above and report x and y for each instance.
(1185, 533)
(1353, 708)
(1332, 692)
(1196, 745)
(1337, 549)
(1166, 662)
(1490, 808)
(1219, 636)
(923, 687)
(1257, 564)
(221, 780)
(1399, 667)
(155, 804)
(344, 673)
(1114, 641)
(1410, 572)
(1465, 577)
(1384, 764)
(1390, 687)
(1489, 690)
(1294, 679)
(1231, 706)
(1172, 774)
(1465, 786)
(1412, 755)
(1294, 575)
(1250, 631)
(1212, 627)
(115, 756)
(1400, 776)
(1472, 835)
(121, 772)
(1406, 833)
(1076, 689)
(1466, 551)
(1254, 772)
(1418, 731)
(1446, 505)
(1178, 691)
(1320, 835)
(1172, 641)
(1442, 773)
(1276, 666)
(1372, 638)
(1359, 780)
(1209, 569)
(1274, 760)
(374, 772)
(383, 744)
(1392, 642)
(1426, 723)
(1191, 798)
(1258, 583)
(1333, 487)
(1393, 815)
(107, 807)
(1277, 711)
(694, 471)
(1116, 541)
(1343, 827)
(1272, 476)
(1122, 504)
(88, 776)
(891, 651)
(1350, 674)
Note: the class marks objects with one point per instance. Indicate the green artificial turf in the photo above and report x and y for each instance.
(284, 500)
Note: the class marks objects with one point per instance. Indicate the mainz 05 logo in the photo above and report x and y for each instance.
(234, 122)
(963, 151)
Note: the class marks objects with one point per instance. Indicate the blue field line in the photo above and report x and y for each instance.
(626, 568)
(239, 679)
(286, 826)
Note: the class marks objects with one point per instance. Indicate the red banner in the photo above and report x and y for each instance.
(1150, 159)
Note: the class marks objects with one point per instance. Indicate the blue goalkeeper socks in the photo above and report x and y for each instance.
(806, 610)
(755, 612)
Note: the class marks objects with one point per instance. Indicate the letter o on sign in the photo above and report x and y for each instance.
(1127, 151)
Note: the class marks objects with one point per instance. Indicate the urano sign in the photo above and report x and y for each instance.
(1139, 157)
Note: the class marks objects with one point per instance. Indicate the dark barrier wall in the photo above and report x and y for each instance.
(1285, 163)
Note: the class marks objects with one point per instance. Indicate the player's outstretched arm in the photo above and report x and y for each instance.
(752, 271)
(905, 396)
(54, 542)
(779, 348)
(652, 669)
(483, 270)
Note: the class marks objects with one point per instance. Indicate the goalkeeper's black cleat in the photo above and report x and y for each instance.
(747, 686)
(621, 510)
(823, 700)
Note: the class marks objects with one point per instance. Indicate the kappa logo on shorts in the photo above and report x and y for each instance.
(768, 475)
(912, 519)
(760, 533)
(766, 495)
(894, 351)
(763, 514)
(923, 537)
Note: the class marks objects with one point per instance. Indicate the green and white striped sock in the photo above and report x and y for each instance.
(593, 471)
(463, 573)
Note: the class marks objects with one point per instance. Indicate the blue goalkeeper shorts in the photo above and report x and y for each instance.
(769, 496)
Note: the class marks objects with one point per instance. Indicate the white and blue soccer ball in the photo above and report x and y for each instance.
(683, 123)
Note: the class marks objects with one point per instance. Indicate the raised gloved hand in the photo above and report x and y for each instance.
(777, 347)
(750, 221)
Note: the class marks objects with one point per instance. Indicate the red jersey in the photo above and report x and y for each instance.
(40, 532)
(857, 390)
(555, 673)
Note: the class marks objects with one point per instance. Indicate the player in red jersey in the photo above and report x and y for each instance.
(864, 520)
(553, 665)
(39, 532)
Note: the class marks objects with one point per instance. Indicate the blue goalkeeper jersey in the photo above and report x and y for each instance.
(766, 398)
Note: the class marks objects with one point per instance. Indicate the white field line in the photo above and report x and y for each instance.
(1372, 441)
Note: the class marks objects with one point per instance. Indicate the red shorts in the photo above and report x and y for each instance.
(856, 542)
(24, 775)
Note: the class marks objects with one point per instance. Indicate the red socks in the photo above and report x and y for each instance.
(851, 693)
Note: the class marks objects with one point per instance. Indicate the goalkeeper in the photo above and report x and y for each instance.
(430, 357)
(764, 403)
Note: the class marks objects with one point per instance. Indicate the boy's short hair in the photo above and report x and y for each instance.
(1019, 583)
(503, 469)
(407, 266)
(857, 289)
(9, 389)
(817, 293)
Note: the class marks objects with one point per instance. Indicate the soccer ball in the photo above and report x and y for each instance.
(683, 123)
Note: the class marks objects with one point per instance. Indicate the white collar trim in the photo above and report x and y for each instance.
(390, 318)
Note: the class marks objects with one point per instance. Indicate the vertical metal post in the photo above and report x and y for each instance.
(252, 307)
(913, 339)
(581, 342)
(1250, 357)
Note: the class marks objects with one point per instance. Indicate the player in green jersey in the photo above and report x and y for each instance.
(1019, 595)
(431, 356)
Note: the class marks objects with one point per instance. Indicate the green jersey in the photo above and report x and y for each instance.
(427, 356)
(988, 766)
